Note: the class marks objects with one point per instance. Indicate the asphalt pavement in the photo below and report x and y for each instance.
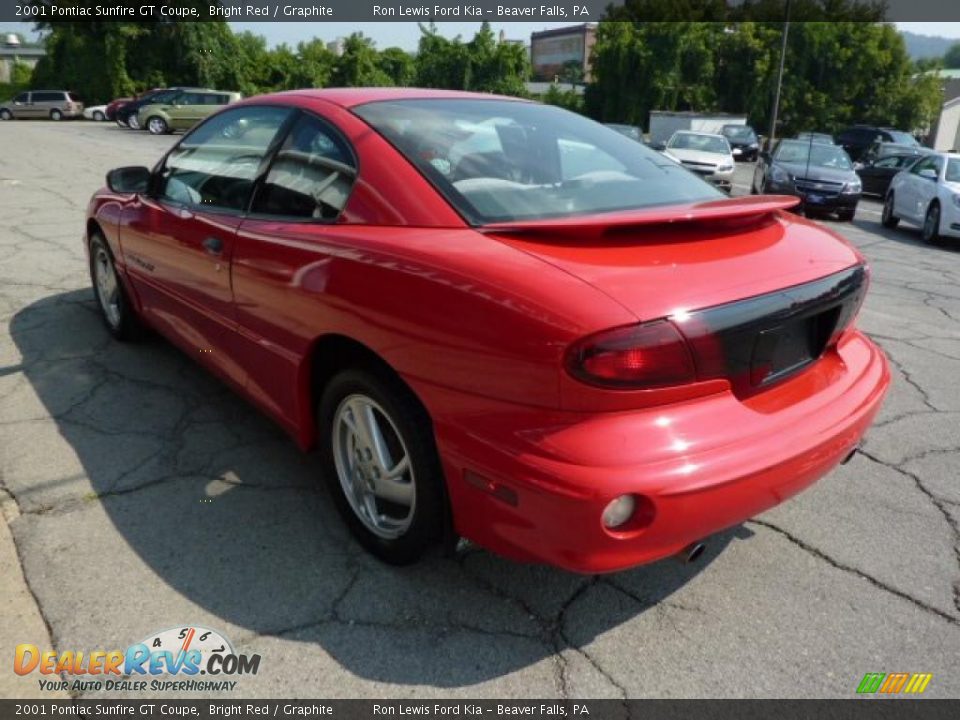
(141, 494)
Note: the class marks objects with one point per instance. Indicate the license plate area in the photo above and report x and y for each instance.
(757, 342)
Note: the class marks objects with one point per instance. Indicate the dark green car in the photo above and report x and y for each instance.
(184, 110)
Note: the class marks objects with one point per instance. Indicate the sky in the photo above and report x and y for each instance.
(406, 34)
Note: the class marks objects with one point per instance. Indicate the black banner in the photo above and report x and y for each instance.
(886, 709)
(574, 11)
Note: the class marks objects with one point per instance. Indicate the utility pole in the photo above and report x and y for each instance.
(776, 97)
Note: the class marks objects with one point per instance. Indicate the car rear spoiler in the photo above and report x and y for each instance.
(727, 213)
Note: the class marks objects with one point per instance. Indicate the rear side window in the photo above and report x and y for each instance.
(311, 175)
(214, 167)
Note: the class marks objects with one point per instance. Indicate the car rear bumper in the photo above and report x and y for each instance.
(532, 484)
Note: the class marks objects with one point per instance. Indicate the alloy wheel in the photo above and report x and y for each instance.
(108, 290)
(133, 122)
(156, 126)
(373, 466)
(55, 115)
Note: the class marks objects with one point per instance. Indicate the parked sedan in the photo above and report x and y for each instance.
(928, 194)
(876, 175)
(816, 137)
(95, 112)
(496, 319)
(880, 150)
(705, 154)
(744, 143)
(822, 176)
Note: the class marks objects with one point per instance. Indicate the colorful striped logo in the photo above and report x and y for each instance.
(893, 683)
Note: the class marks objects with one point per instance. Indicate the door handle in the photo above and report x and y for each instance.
(213, 245)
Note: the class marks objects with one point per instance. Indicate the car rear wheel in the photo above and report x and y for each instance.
(133, 122)
(931, 224)
(99, 116)
(6, 114)
(56, 115)
(115, 308)
(157, 126)
(887, 218)
(381, 465)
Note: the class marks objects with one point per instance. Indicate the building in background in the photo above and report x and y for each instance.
(944, 134)
(554, 52)
(13, 51)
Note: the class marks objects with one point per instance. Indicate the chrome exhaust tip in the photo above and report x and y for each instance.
(691, 553)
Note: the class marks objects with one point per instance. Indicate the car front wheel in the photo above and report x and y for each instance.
(381, 466)
(115, 308)
(931, 224)
(887, 218)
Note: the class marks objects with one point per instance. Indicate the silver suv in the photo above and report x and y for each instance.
(53, 104)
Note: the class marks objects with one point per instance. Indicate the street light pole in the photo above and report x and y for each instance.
(776, 97)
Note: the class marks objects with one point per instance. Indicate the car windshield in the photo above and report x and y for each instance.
(500, 160)
(827, 156)
(739, 132)
(953, 170)
(696, 141)
(903, 138)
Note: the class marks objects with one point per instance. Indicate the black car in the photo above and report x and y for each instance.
(127, 113)
(857, 139)
(882, 149)
(820, 175)
(877, 174)
(744, 143)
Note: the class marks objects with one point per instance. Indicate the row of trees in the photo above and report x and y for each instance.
(709, 58)
(106, 60)
(837, 73)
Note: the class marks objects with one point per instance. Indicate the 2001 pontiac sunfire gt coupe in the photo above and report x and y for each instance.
(496, 319)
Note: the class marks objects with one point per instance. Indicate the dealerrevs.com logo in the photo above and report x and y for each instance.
(170, 660)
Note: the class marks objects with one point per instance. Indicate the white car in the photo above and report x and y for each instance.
(706, 154)
(927, 194)
(97, 112)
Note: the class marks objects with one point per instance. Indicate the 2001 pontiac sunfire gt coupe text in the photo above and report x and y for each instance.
(497, 320)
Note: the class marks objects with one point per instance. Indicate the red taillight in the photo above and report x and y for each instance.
(637, 356)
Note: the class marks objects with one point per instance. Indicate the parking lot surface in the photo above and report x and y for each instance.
(141, 495)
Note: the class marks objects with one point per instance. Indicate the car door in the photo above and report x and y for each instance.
(283, 252)
(177, 240)
(906, 197)
(876, 176)
(20, 106)
(928, 187)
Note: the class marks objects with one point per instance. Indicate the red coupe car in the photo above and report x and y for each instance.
(496, 319)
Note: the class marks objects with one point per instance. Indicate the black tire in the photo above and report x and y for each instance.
(121, 123)
(56, 114)
(887, 218)
(125, 325)
(156, 125)
(99, 116)
(413, 428)
(846, 214)
(6, 114)
(930, 232)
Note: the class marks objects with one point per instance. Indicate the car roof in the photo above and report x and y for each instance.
(697, 132)
(351, 97)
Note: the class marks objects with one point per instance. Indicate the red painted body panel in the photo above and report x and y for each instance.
(477, 322)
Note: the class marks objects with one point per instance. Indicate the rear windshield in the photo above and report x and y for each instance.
(74, 97)
(902, 137)
(498, 161)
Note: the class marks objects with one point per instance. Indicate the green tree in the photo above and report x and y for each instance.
(951, 58)
(359, 65)
(399, 65)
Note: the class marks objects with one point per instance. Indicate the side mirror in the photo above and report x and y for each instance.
(133, 179)
(928, 173)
